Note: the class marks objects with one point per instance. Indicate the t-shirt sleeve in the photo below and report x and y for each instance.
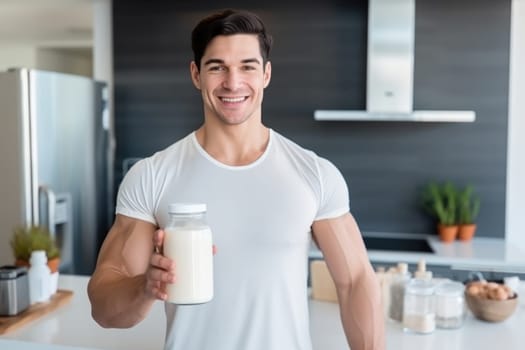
(334, 199)
(135, 195)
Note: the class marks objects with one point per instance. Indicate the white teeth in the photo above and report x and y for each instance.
(232, 99)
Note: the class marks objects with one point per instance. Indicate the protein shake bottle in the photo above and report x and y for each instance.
(188, 241)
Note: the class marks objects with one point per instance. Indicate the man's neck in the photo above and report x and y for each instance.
(234, 145)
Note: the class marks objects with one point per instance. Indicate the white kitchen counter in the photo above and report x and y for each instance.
(474, 334)
(12, 344)
(72, 328)
(488, 254)
(72, 325)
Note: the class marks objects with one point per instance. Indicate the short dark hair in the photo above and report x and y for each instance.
(229, 22)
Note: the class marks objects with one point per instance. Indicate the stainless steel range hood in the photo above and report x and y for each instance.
(390, 70)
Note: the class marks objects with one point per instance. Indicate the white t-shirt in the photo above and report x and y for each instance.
(260, 215)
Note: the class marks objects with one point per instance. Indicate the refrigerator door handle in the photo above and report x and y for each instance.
(50, 200)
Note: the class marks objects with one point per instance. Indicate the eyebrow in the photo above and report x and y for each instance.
(219, 61)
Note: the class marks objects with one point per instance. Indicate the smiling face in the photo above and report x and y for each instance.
(232, 78)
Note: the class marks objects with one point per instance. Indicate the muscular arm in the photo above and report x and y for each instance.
(357, 288)
(128, 277)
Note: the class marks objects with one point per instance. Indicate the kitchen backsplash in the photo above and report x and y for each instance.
(319, 62)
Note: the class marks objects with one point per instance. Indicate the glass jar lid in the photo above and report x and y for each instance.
(187, 208)
(420, 287)
(450, 288)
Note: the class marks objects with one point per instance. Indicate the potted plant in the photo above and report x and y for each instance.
(440, 202)
(468, 210)
(25, 240)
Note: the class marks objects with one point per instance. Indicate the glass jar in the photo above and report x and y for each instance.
(450, 305)
(188, 242)
(419, 307)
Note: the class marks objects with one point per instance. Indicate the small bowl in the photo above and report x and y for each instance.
(491, 310)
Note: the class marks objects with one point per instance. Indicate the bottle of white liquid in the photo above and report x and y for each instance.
(39, 276)
(188, 242)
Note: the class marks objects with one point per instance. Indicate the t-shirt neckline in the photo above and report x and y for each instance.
(253, 164)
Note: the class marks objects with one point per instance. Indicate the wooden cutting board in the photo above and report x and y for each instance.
(11, 323)
(323, 286)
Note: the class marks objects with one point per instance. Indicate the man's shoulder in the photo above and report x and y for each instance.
(286, 142)
(303, 155)
(174, 150)
(295, 150)
(163, 158)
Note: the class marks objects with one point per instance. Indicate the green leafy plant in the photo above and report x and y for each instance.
(440, 200)
(25, 240)
(468, 205)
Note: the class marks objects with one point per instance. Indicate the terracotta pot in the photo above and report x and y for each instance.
(52, 264)
(466, 232)
(447, 233)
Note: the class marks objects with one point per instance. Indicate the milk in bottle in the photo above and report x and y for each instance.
(188, 242)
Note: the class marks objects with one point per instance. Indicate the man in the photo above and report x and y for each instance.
(265, 195)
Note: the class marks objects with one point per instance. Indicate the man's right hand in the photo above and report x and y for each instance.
(161, 269)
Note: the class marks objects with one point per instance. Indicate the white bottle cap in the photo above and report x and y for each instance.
(421, 265)
(422, 272)
(187, 208)
(402, 267)
(424, 275)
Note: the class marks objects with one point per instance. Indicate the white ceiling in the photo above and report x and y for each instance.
(47, 23)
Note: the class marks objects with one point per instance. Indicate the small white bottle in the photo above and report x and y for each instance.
(39, 276)
(188, 242)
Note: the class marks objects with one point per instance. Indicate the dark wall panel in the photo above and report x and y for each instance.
(319, 62)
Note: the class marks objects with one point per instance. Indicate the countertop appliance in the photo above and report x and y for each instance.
(14, 290)
(56, 151)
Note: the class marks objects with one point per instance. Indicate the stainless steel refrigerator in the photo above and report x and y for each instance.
(56, 155)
